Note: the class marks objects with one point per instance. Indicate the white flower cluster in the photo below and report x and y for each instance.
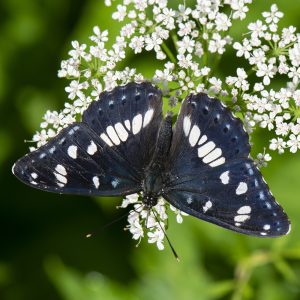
(152, 223)
(273, 56)
(190, 42)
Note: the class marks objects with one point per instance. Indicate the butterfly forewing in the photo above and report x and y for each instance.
(211, 176)
(106, 153)
(128, 119)
(206, 134)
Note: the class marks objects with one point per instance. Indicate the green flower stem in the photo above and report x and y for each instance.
(169, 53)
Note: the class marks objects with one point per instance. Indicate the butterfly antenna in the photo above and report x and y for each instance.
(169, 242)
(89, 235)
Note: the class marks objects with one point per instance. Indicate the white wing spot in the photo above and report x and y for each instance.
(148, 117)
(237, 224)
(263, 233)
(225, 177)
(205, 149)
(52, 149)
(106, 139)
(189, 200)
(242, 188)
(96, 181)
(61, 178)
(71, 132)
(213, 155)
(244, 210)
(207, 206)
(113, 135)
(61, 169)
(42, 155)
(72, 151)
(241, 218)
(34, 175)
(115, 183)
(194, 135)
(137, 122)
(202, 140)
(218, 162)
(267, 227)
(121, 131)
(127, 124)
(33, 182)
(92, 148)
(186, 125)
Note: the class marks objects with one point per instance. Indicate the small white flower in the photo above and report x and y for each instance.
(120, 14)
(137, 44)
(294, 143)
(243, 49)
(278, 144)
(179, 214)
(266, 71)
(262, 159)
(274, 15)
(156, 237)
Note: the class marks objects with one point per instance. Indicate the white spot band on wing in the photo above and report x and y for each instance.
(186, 125)
(194, 135)
(96, 181)
(205, 149)
(148, 117)
(137, 122)
(106, 139)
(61, 169)
(121, 131)
(242, 188)
(92, 148)
(244, 210)
(224, 177)
(213, 155)
(113, 135)
(72, 151)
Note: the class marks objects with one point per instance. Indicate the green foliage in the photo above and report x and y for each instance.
(44, 254)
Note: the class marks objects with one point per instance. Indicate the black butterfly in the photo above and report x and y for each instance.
(123, 146)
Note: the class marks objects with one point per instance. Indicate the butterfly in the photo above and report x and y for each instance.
(124, 145)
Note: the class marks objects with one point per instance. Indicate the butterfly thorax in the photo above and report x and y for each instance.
(155, 173)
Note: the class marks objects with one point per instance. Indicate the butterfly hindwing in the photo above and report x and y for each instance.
(233, 195)
(127, 119)
(211, 176)
(77, 161)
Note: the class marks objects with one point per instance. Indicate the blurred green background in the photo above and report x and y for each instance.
(43, 250)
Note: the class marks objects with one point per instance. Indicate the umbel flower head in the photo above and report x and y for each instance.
(189, 41)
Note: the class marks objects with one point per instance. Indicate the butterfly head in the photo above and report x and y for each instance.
(150, 200)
